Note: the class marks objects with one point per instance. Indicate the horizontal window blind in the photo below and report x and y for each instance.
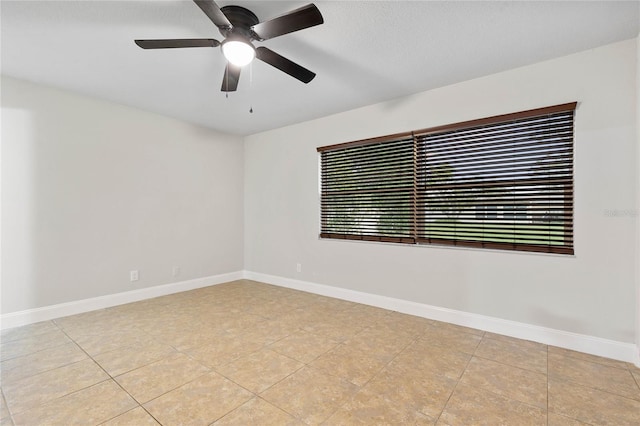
(368, 192)
(502, 182)
(504, 185)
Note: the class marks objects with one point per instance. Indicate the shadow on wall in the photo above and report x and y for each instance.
(54, 207)
(547, 318)
(562, 322)
(18, 209)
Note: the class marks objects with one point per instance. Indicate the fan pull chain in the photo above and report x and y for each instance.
(250, 87)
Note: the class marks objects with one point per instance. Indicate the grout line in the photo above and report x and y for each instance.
(547, 358)
(594, 359)
(582, 385)
(512, 365)
(7, 406)
(34, 352)
(457, 382)
(149, 413)
(637, 380)
(114, 381)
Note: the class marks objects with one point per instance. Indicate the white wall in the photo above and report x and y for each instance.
(590, 293)
(92, 190)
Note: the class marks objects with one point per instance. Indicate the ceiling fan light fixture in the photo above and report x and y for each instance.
(238, 52)
(240, 27)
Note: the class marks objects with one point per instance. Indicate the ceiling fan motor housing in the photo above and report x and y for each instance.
(242, 20)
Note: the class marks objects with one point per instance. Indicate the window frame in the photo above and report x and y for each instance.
(419, 217)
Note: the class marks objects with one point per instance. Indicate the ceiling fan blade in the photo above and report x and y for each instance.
(299, 19)
(230, 78)
(211, 9)
(176, 43)
(284, 65)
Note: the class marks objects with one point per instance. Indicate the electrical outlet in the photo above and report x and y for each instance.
(133, 276)
(298, 267)
(175, 271)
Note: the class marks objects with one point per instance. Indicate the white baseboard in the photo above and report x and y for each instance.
(46, 313)
(627, 352)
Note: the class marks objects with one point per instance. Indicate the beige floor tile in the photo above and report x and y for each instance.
(199, 402)
(457, 328)
(129, 358)
(157, 378)
(515, 352)
(588, 357)
(365, 317)
(399, 323)
(334, 330)
(96, 322)
(470, 406)
(591, 405)
(4, 411)
(350, 363)
(23, 332)
(241, 321)
(310, 395)
(260, 370)
(349, 316)
(227, 348)
(269, 309)
(109, 340)
(299, 317)
(636, 375)
(367, 314)
(454, 338)
(304, 346)
(409, 391)
(136, 417)
(380, 344)
(89, 406)
(31, 391)
(184, 341)
(335, 304)
(174, 325)
(32, 344)
(300, 300)
(38, 362)
(6, 422)
(257, 411)
(85, 319)
(511, 382)
(375, 409)
(595, 375)
(421, 355)
(270, 331)
(559, 420)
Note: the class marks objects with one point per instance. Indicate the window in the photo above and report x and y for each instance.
(503, 182)
(368, 191)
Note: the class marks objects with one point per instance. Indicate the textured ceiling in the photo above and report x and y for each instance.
(365, 52)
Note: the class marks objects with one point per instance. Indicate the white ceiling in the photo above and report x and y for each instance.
(365, 52)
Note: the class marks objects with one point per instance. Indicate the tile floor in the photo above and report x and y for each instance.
(246, 353)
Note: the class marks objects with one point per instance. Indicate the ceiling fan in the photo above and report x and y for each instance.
(240, 28)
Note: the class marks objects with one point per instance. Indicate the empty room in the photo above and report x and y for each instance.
(241, 212)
